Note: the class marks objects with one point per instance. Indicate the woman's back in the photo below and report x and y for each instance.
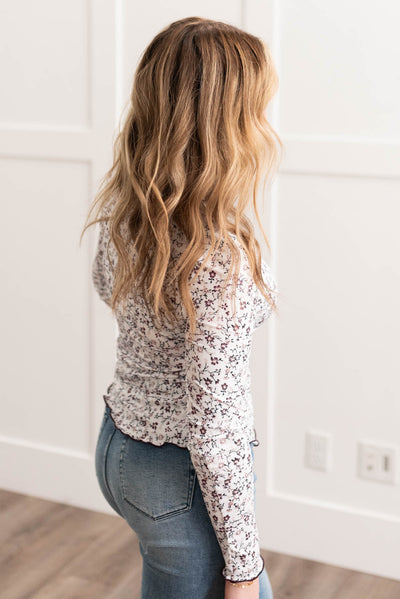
(148, 394)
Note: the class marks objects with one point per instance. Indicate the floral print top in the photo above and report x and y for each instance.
(196, 393)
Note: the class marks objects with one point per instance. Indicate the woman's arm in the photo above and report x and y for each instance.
(217, 361)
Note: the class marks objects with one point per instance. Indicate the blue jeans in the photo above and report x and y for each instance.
(155, 489)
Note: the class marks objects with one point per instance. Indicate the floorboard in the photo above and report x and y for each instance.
(55, 551)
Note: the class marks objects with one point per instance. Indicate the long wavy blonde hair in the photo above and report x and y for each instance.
(192, 150)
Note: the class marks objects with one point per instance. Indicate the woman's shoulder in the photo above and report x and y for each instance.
(217, 264)
(262, 307)
(215, 280)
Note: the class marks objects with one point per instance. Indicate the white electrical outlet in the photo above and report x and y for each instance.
(377, 461)
(318, 450)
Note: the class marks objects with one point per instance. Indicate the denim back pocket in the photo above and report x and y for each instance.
(158, 481)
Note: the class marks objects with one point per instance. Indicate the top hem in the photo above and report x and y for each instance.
(254, 441)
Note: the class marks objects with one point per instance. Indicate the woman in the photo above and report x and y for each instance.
(179, 266)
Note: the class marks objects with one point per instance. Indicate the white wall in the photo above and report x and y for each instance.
(333, 354)
(328, 362)
(57, 115)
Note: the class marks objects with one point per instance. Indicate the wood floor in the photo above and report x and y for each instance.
(54, 551)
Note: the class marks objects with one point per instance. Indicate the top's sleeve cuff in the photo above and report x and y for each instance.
(232, 573)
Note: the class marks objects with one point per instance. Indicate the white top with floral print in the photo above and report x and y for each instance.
(196, 393)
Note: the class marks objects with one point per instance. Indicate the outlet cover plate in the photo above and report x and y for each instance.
(377, 461)
(318, 450)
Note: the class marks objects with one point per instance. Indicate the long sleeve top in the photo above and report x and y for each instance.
(195, 392)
